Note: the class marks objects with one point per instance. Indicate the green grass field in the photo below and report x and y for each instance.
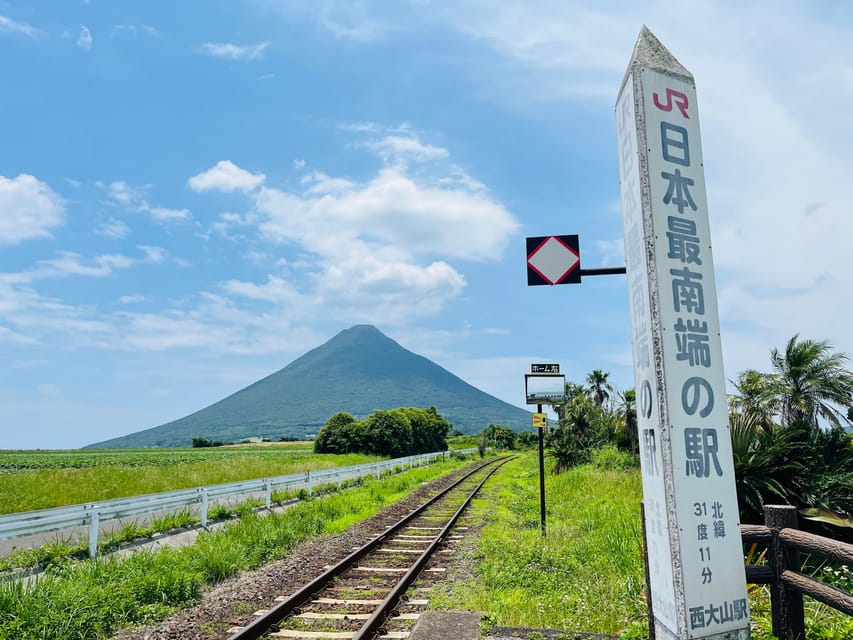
(587, 575)
(92, 599)
(32, 480)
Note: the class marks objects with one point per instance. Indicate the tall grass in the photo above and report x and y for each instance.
(586, 575)
(92, 599)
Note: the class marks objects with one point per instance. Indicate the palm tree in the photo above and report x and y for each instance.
(812, 382)
(757, 397)
(598, 385)
(627, 415)
(573, 390)
(764, 466)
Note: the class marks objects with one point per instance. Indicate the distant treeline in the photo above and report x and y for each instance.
(395, 432)
(200, 443)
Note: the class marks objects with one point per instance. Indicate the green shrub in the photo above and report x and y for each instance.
(610, 457)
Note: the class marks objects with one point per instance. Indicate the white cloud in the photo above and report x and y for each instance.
(69, 263)
(28, 209)
(379, 250)
(374, 288)
(275, 290)
(233, 51)
(32, 317)
(373, 251)
(134, 30)
(8, 336)
(133, 198)
(399, 148)
(152, 254)
(37, 317)
(349, 21)
(392, 209)
(320, 183)
(344, 19)
(228, 222)
(84, 40)
(124, 194)
(113, 228)
(612, 252)
(163, 214)
(458, 177)
(362, 127)
(226, 176)
(372, 247)
(13, 26)
(216, 325)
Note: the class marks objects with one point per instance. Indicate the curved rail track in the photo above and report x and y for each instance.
(366, 595)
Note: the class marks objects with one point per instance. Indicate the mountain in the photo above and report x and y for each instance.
(358, 371)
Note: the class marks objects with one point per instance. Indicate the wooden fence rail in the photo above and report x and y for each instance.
(783, 571)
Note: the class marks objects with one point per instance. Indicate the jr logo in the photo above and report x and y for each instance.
(679, 98)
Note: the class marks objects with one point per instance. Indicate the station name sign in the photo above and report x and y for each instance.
(544, 368)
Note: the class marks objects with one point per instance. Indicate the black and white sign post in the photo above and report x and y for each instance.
(553, 260)
(543, 385)
(698, 584)
(557, 260)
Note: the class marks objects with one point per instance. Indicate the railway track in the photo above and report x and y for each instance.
(369, 593)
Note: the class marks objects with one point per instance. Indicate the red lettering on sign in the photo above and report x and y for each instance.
(680, 101)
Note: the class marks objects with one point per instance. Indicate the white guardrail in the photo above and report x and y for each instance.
(15, 525)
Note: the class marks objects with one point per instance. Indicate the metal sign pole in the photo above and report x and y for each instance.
(545, 384)
(541, 475)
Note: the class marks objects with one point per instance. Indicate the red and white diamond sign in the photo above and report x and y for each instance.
(553, 260)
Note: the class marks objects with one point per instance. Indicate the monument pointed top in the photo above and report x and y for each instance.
(650, 53)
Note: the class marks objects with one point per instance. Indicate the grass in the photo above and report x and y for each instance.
(40, 480)
(92, 599)
(586, 575)
(821, 622)
(63, 548)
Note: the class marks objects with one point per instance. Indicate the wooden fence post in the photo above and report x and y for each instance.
(786, 603)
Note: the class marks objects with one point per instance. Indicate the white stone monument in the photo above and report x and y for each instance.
(696, 564)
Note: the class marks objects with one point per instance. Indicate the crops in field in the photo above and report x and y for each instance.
(12, 461)
(32, 480)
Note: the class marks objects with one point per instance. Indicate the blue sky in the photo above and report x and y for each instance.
(193, 194)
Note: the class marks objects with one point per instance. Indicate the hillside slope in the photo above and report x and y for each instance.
(358, 371)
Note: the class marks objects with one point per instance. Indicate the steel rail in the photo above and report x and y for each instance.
(377, 619)
(258, 627)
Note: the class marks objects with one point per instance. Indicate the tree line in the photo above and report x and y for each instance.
(393, 432)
